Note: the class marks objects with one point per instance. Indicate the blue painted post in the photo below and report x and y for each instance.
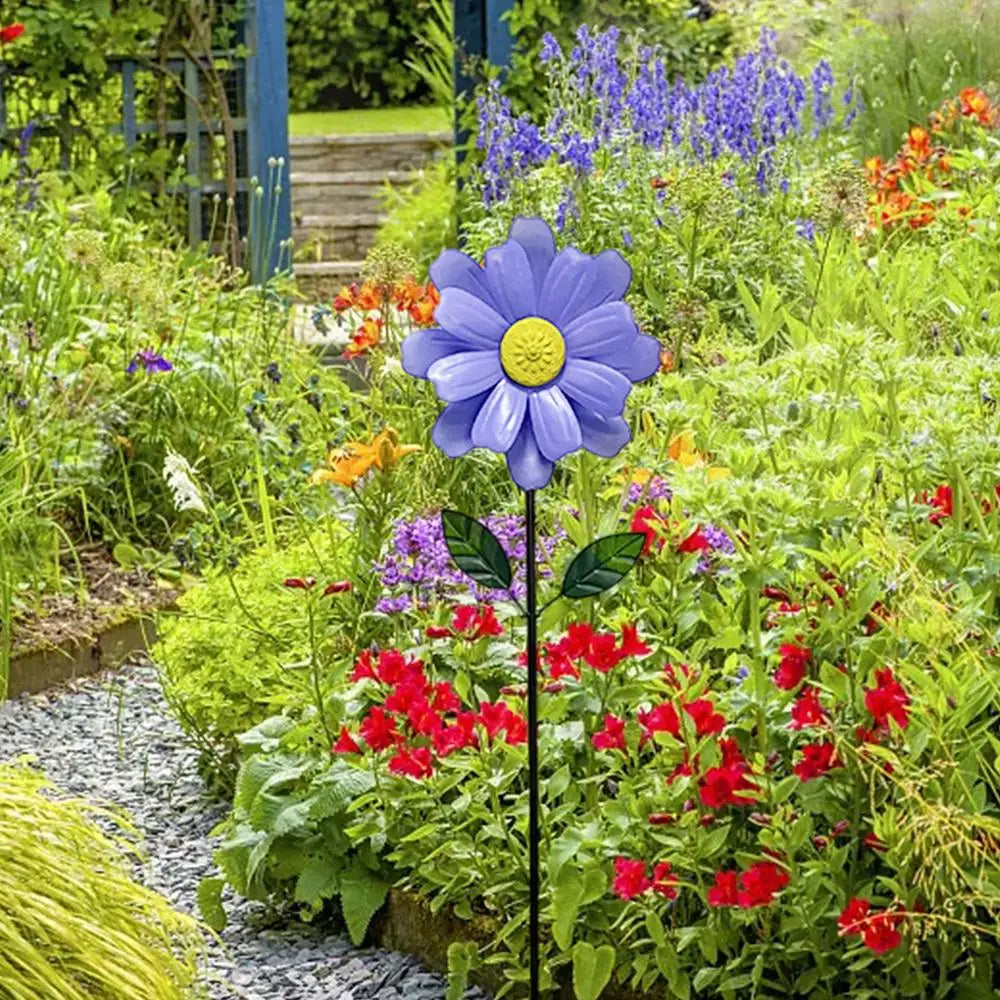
(267, 135)
(481, 32)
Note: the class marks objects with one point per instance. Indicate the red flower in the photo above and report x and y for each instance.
(759, 884)
(415, 763)
(671, 671)
(942, 502)
(444, 698)
(630, 878)
(881, 934)
(704, 716)
(853, 916)
(732, 756)
(456, 737)
(874, 841)
(603, 654)
(725, 891)
(661, 718)
(612, 736)
(560, 664)
(632, 645)
(721, 786)
(378, 730)
(806, 710)
(438, 632)
(338, 587)
(422, 718)
(661, 819)
(817, 759)
(515, 729)
(577, 641)
(695, 542)
(299, 583)
(493, 717)
(664, 883)
(11, 32)
(363, 667)
(391, 667)
(345, 743)
(887, 700)
(473, 623)
(792, 666)
(644, 521)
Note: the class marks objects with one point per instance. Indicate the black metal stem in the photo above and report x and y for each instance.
(534, 836)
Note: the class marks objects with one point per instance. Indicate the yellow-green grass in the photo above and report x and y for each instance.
(355, 122)
(74, 924)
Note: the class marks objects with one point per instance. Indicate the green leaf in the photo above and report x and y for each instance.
(462, 958)
(362, 893)
(566, 896)
(602, 564)
(127, 556)
(209, 896)
(476, 550)
(592, 969)
(318, 880)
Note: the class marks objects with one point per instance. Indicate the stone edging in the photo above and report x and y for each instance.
(38, 669)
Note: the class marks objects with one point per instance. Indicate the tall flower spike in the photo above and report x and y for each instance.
(534, 354)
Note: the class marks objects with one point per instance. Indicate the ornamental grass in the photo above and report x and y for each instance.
(74, 925)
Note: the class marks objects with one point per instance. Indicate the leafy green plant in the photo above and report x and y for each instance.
(76, 925)
(242, 648)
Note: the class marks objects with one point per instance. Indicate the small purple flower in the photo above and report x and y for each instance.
(535, 355)
(151, 361)
(550, 48)
(805, 229)
(720, 544)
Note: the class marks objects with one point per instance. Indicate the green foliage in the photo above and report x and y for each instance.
(76, 925)
(285, 838)
(242, 649)
(343, 52)
(421, 217)
(691, 47)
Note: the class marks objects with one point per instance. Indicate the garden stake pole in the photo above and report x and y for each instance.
(534, 876)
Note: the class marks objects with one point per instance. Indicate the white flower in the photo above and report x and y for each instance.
(180, 478)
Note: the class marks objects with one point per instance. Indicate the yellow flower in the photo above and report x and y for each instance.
(682, 450)
(347, 465)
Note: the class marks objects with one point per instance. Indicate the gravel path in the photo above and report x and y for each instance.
(110, 739)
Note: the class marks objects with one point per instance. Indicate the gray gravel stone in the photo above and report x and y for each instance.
(111, 739)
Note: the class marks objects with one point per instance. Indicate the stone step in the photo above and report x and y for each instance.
(335, 237)
(321, 280)
(353, 191)
(373, 151)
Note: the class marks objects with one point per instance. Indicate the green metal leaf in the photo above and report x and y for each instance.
(602, 564)
(476, 550)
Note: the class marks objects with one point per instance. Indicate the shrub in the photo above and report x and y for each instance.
(241, 651)
(76, 926)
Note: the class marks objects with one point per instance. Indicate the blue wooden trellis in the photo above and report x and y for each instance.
(259, 122)
(481, 32)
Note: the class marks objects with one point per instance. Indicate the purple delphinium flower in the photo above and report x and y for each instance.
(550, 50)
(151, 361)
(535, 354)
(418, 570)
(805, 229)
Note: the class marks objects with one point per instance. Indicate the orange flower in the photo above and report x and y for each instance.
(346, 298)
(422, 311)
(975, 104)
(367, 336)
(347, 465)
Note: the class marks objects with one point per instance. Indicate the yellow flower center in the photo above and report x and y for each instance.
(532, 351)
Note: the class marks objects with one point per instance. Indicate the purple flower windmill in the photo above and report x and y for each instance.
(534, 355)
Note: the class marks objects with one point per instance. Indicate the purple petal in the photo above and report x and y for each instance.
(469, 318)
(566, 285)
(133, 366)
(554, 423)
(595, 387)
(159, 364)
(500, 418)
(640, 361)
(454, 269)
(451, 432)
(508, 272)
(539, 244)
(460, 376)
(604, 436)
(528, 466)
(423, 347)
(608, 329)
